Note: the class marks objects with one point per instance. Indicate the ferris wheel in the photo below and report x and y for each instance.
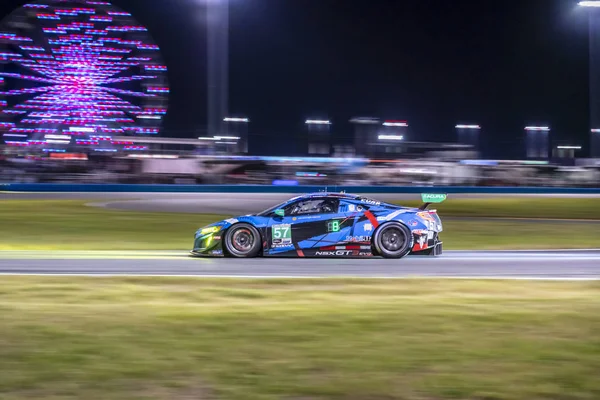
(78, 75)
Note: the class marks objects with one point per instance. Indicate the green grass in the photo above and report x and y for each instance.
(151, 338)
(518, 207)
(71, 225)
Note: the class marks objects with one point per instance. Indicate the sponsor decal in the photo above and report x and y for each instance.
(368, 227)
(231, 221)
(217, 237)
(380, 218)
(282, 235)
(371, 202)
(412, 222)
(433, 197)
(365, 254)
(429, 235)
(356, 239)
(217, 252)
(420, 232)
(338, 253)
(422, 242)
(351, 208)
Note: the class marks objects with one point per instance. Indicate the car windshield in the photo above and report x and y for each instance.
(272, 209)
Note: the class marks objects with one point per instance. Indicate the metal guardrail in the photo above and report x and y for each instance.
(126, 188)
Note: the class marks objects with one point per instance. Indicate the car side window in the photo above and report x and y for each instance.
(312, 206)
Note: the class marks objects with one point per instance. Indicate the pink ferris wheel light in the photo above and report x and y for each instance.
(79, 67)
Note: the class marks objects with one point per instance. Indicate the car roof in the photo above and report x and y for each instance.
(346, 196)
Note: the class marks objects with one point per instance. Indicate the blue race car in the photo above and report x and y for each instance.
(326, 225)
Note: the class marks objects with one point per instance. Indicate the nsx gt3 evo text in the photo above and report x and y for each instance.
(326, 225)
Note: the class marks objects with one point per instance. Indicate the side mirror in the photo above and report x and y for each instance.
(280, 212)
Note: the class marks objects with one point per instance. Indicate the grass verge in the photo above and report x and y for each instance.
(151, 338)
(71, 225)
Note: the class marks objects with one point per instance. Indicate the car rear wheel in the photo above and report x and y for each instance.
(242, 241)
(393, 240)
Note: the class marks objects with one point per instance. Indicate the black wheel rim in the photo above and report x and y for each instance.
(242, 240)
(393, 239)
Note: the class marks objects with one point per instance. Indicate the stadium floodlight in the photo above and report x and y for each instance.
(365, 121)
(226, 142)
(595, 130)
(317, 122)
(19, 135)
(569, 147)
(207, 138)
(234, 119)
(227, 138)
(391, 137)
(537, 128)
(589, 3)
(468, 126)
(395, 123)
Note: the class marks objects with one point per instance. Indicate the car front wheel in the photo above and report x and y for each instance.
(242, 241)
(393, 240)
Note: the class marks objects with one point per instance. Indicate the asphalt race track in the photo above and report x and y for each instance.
(551, 265)
(559, 264)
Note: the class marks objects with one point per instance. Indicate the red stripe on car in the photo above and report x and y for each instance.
(372, 219)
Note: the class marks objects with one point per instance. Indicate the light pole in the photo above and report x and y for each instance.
(468, 134)
(594, 38)
(238, 128)
(217, 14)
(391, 136)
(537, 141)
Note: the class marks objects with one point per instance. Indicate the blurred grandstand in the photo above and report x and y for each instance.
(197, 169)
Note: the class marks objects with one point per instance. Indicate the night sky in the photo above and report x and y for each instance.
(435, 63)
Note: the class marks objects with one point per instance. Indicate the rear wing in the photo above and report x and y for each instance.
(431, 198)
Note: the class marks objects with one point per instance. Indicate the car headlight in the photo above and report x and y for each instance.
(210, 229)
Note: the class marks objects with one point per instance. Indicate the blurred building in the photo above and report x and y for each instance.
(365, 130)
(318, 136)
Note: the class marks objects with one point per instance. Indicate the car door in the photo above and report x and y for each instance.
(306, 225)
(362, 226)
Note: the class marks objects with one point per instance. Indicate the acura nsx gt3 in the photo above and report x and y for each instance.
(326, 225)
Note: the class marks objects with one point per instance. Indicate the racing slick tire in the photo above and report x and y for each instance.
(242, 241)
(392, 240)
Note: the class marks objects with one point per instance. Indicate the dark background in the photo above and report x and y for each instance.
(435, 63)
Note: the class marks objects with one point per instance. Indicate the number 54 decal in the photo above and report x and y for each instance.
(282, 235)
